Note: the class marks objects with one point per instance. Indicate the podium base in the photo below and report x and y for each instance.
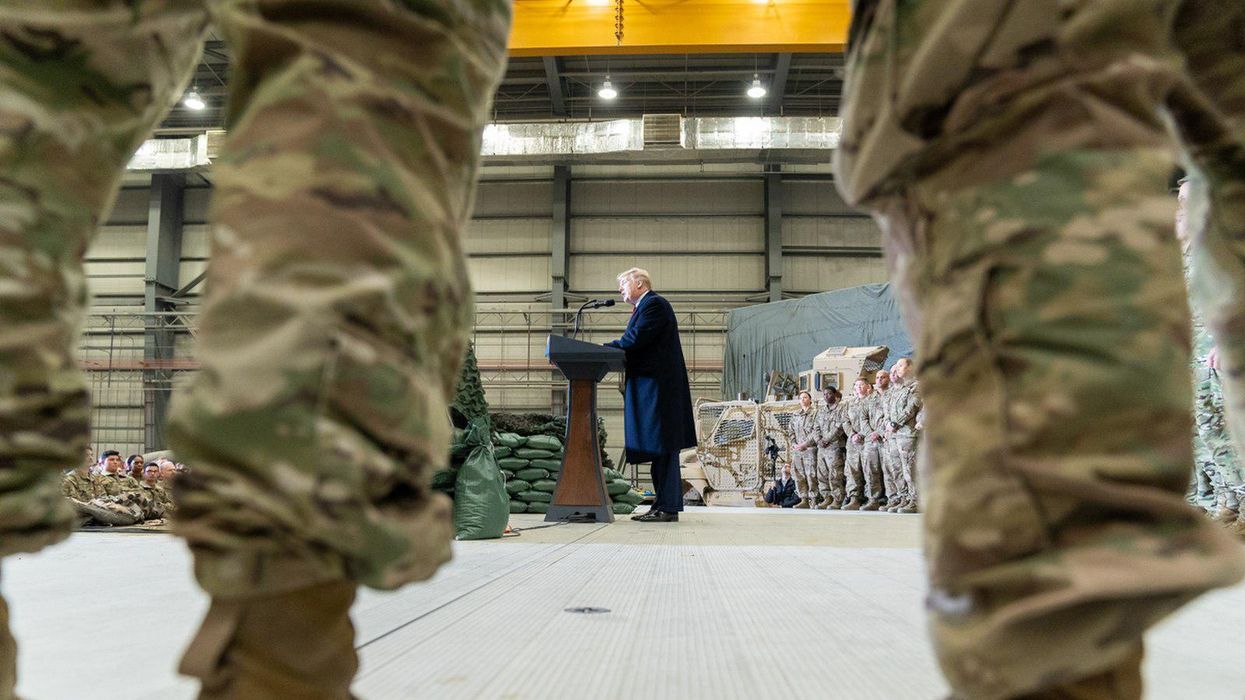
(600, 514)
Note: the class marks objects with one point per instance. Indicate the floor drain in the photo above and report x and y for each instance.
(588, 610)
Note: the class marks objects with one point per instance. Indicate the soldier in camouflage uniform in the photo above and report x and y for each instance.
(881, 397)
(831, 448)
(1016, 156)
(864, 466)
(901, 419)
(804, 439)
(337, 299)
(1214, 454)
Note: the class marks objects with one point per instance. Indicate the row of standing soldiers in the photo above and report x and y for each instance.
(859, 453)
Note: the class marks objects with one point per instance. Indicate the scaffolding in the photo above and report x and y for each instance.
(134, 360)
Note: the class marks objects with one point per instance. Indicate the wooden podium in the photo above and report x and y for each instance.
(581, 490)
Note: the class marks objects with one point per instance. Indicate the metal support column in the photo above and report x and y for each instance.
(164, 252)
(773, 232)
(559, 244)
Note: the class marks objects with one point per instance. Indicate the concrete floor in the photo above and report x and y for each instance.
(726, 604)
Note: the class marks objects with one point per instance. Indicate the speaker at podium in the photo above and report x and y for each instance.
(580, 493)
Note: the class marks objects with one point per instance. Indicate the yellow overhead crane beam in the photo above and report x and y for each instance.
(586, 27)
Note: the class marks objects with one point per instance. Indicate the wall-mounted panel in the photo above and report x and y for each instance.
(494, 236)
(526, 274)
(815, 197)
(597, 273)
(810, 274)
(511, 198)
(831, 231)
(667, 197)
(668, 234)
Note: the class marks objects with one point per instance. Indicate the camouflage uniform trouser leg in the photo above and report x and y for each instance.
(1032, 239)
(81, 85)
(890, 484)
(871, 465)
(338, 303)
(804, 468)
(830, 472)
(904, 444)
(854, 475)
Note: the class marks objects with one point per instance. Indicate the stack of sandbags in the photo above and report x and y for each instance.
(531, 465)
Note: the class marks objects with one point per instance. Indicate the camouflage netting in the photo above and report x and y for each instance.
(469, 402)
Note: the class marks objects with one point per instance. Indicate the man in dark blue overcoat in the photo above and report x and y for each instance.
(658, 398)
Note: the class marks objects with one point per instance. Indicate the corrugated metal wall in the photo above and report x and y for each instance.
(699, 230)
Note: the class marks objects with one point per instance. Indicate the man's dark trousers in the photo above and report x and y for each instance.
(667, 483)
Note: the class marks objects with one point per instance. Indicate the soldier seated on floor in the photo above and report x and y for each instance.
(134, 466)
(160, 500)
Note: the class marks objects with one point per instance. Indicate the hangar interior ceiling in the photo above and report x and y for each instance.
(544, 237)
(537, 88)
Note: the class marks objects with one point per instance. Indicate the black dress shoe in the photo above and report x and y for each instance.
(657, 516)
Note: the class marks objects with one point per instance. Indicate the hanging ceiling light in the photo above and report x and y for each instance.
(607, 91)
(757, 91)
(193, 100)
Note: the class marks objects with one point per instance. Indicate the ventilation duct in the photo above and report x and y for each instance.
(663, 131)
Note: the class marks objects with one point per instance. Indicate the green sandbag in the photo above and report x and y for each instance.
(511, 440)
(513, 464)
(623, 509)
(612, 474)
(517, 486)
(538, 507)
(481, 506)
(529, 453)
(443, 480)
(553, 465)
(635, 498)
(518, 507)
(546, 485)
(618, 487)
(536, 497)
(501, 451)
(544, 442)
(532, 475)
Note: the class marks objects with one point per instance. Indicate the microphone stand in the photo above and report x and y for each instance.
(578, 314)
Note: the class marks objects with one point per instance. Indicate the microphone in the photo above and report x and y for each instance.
(590, 304)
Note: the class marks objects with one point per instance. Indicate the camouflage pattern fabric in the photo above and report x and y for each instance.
(80, 486)
(1015, 156)
(864, 467)
(831, 454)
(890, 483)
(336, 313)
(81, 84)
(901, 416)
(804, 463)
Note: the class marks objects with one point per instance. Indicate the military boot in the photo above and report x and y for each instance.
(760, 503)
(803, 503)
(824, 503)
(907, 506)
(852, 504)
(295, 645)
(834, 504)
(872, 505)
(892, 504)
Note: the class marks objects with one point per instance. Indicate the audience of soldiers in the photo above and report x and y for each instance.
(858, 453)
(109, 492)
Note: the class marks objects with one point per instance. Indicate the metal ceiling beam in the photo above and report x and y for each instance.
(554, 81)
(561, 28)
(778, 86)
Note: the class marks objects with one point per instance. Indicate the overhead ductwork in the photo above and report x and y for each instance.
(652, 139)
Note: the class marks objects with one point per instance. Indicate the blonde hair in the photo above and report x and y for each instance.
(636, 274)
